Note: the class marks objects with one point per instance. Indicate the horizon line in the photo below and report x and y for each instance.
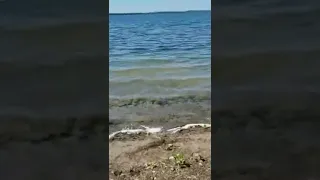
(155, 12)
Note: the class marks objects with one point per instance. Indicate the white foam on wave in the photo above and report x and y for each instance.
(154, 130)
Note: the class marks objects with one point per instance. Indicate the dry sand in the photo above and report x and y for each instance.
(155, 156)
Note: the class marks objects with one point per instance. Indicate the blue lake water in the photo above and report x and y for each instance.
(160, 54)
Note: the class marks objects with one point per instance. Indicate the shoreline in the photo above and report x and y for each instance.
(162, 112)
(145, 131)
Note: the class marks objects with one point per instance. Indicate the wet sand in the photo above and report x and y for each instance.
(166, 112)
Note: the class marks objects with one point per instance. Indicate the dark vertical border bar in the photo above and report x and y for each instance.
(212, 92)
(107, 127)
(268, 131)
(54, 146)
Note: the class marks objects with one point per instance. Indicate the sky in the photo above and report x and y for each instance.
(135, 6)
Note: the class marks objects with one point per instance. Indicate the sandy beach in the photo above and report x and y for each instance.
(183, 155)
(141, 155)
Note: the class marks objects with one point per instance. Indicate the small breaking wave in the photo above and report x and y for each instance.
(155, 130)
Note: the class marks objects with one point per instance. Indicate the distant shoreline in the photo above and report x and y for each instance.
(159, 12)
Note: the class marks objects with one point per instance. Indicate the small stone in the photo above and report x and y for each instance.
(169, 147)
(185, 165)
(117, 172)
(197, 157)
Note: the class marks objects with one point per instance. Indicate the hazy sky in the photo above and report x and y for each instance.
(129, 6)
